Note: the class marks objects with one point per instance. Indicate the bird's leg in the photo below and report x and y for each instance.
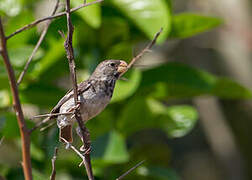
(86, 147)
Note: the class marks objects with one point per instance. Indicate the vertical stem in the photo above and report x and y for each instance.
(25, 136)
(70, 57)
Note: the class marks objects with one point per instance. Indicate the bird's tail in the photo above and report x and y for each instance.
(66, 133)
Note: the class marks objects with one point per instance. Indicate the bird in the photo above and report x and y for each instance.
(94, 94)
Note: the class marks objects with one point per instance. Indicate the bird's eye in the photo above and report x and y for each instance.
(112, 64)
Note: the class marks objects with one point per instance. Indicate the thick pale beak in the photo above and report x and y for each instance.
(122, 67)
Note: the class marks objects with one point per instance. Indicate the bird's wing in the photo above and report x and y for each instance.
(82, 87)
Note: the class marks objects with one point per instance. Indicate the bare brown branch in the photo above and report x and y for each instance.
(53, 175)
(146, 49)
(28, 26)
(41, 38)
(70, 56)
(25, 136)
(130, 170)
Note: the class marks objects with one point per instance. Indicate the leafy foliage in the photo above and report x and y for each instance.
(109, 31)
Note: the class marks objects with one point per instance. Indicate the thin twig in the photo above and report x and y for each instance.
(53, 175)
(47, 126)
(74, 149)
(130, 170)
(53, 114)
(146, 49)
(28, 26)
(70, 56)
(24, 132)
(46, 120)
(41, 38)
(62, 34)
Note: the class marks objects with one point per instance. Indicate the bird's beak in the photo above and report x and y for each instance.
(123, 66)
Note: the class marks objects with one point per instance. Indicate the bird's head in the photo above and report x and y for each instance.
(110, 69)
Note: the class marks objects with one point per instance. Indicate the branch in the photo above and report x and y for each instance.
(70, 56)
(25, 136)
(50, 115)
(37, 125)
(41, 38)
(53, 175)
(28, 26)
(130, 170)
(146, 49)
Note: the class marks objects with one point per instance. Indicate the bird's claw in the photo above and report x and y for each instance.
(67, 145)
(85, 150)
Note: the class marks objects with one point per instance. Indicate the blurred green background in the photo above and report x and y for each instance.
(185, 108)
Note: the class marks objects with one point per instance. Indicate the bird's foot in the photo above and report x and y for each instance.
(67, 145)
(85, 150)
(75, 107)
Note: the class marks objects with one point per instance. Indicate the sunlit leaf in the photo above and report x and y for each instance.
(148, 15)
(177, 121)
(124, 89)
(182, 120)
(10, 7)
(4, 98)
(20, 55)
(116, 150)
(188, 24)
(91, 14)
(51, 57)
(111, 148)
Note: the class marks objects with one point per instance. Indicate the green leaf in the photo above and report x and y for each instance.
(181, 80)
(38, 175)
(182, 120)
(56, 50)
(10, 127)
(120, 29)
(116, 150)
(187, 24)
(91, 14)
(135, 116)
(110, 148)
(120, 51)
(37, 153)
(177, 121)
(226, 88)
(4, 98)
(124, 89)
(10, 7)
(148, 15)
(175, 80)
(41, 94)
(20, 55)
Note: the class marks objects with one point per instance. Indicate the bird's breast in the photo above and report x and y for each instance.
(93, 101)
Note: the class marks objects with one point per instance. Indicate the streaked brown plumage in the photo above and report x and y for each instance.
(94, 94)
